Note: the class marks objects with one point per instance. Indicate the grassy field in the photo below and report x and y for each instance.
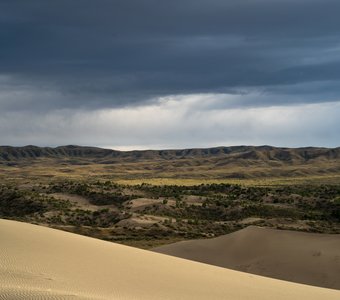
(306, 180)
(187, 173)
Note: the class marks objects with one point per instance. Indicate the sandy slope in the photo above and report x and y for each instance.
(42, 263)
(289, 255)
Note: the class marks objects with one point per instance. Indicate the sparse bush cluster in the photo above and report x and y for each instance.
(14, 203)
(214, 209)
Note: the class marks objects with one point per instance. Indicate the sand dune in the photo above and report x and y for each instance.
(294, 256)
(42, 263)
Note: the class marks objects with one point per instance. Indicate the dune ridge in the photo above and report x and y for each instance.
(42, 263)
(308, 258)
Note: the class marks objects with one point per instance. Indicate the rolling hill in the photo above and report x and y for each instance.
(259, 153)
(238, 162)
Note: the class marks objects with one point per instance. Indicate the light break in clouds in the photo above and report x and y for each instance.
(178, 122)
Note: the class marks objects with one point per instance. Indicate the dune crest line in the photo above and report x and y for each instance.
(34, 259)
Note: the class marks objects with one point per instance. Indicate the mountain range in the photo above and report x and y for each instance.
(239, 162)
(100, 155)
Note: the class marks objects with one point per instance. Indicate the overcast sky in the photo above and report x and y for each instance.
(139, 74)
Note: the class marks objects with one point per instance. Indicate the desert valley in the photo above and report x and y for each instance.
(280, 226)
(169, 150)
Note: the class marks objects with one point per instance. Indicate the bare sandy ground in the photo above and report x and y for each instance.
(140, 203)
(42, 263)
(307, 258)
(81, 202)
(141, 221)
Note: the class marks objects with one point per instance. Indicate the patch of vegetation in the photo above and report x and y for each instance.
(98, 193)
(171, 212)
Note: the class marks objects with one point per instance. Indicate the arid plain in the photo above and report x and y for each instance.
(265, 211)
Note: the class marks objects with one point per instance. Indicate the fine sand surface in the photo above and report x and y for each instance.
(308, 258)
(42, 263)
(81, 202)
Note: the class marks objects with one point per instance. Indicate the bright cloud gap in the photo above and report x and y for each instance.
(198, 120)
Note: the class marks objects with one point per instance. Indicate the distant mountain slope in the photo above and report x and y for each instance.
(238, 162)
(8, 153)
(259, 153)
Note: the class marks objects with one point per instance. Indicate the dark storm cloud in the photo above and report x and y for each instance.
(97, 54)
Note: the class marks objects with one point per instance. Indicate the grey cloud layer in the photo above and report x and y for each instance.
(177, 123)
(170, 74)
(97, 54)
